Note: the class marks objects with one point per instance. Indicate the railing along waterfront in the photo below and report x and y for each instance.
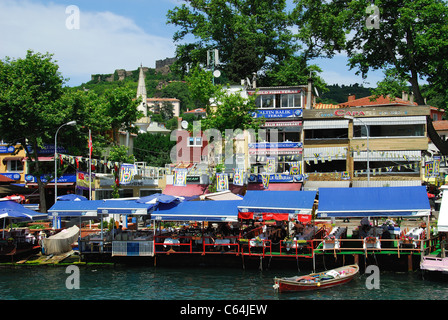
(258, 247)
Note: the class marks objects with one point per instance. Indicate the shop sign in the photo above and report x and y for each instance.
(277, 177)
(280, 124)
(66, 178)
(7, 149)
(275, 145)
(12, 176)
(193, 178)
(277, 113)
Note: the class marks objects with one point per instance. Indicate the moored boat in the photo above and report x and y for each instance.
(315, 281)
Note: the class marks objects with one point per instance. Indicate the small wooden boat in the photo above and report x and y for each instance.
(316, 281)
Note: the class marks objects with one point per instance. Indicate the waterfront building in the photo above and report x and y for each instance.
(387, 135)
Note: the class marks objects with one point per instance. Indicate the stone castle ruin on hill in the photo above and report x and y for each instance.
(162, 66)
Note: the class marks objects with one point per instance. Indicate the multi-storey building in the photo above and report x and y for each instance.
(365, 143)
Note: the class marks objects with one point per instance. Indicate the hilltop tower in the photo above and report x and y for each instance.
(141, 92)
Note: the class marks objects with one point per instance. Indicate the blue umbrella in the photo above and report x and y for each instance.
(13, 215)
(72, 197)
(17, 207)
(158, 197)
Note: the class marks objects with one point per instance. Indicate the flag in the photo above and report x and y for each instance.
(180, 177)
(127, 172)
(90, 144)
(295, 168)
(265, 179)
(222, 182)
(238, 177)
(271, 165)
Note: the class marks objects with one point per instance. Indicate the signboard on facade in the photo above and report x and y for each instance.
(274, 91)
(277, 177)
(277, 113)
(275, 145)
(66, 178)
(7, 149)
(359, 112)
(281, 124)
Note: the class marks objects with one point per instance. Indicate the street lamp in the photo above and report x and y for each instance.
(71, 123)
(368, 151)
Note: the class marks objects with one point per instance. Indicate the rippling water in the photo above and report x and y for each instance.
(149, 283)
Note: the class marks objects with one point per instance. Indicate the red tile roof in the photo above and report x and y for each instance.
(366, 101)
(441, 125)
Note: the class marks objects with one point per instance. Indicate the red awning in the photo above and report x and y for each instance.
(304, 218)
(189, 190)
(286, 186)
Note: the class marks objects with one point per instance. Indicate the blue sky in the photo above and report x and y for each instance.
(112, 34)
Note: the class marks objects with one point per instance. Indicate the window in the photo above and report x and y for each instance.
(195, 141)
(326, 133)
(290, 101)
(387, 167)
(15, 166)
(407, 130)
(265, 101)
(328, 166)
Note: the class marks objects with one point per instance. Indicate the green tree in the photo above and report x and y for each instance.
(231, 111)
(121, 110)
(31, 112)
(411, 37)
(200, 85)
(250, 35)
(119, 154)
(154, 149)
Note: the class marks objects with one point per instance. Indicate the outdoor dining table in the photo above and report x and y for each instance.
(219, 242)
(171, 242)
(257, 243)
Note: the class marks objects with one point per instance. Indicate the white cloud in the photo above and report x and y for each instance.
(104, 41)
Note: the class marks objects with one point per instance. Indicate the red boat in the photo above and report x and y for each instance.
(316, 281)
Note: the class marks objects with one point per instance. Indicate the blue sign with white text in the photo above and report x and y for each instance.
(277, 113)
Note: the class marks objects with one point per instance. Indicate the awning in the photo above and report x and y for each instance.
(276, 205)
(216, 211)
(442, 221)
(386, 183)
(404, 155)
(325, 124)
(315, 185)
(12, 159)
(189, 190)
(221, 196)
(287, 186)
(127, 207)
(14, 206)
(86, 208)
(373, 202)
(335, 153)
(391, 121)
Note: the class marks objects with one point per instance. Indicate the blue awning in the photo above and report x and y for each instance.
(75, 208)
(290, 202)
(373, 202)
(14, 206)
(127, 207)
(216, 211)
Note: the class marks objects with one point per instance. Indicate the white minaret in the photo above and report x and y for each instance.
(141, 91)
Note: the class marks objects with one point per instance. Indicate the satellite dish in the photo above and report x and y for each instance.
(216, 73)
(184, 124)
